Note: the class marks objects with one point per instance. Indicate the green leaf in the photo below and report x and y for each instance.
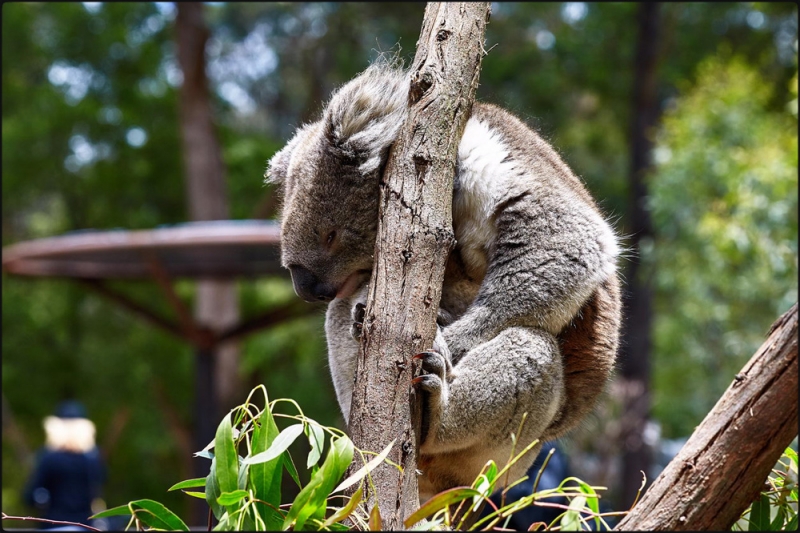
(791, 525)
(491, 473)
(591, 500)
(342, 450)
(571, 520)
(345, 511)
(293, 517)
(316, 438)
(759, 514)
(212, 491)
(241, 482)
(231, 498)
(120, 510)
(289, 464)
(777, 523)
(157, 516)
(265, 478)
(366, 469)
(189, 484)
(312, 499)
(201, 495)
(227, 463)
(278, 446)
(439, 502)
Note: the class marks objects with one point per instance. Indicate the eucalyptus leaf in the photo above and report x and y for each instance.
(359, 474)
(375, 519)
(119, 510)
(157, 516)
(591, 500)
(278, 446)
(759, 514)
(439, 502)
(265, 477)
(189, 484)
(316, 438)
(231, 498)
(212, 492)
(346, 510)
(313, 497)
(289, 464)
(227, 463)
(571, 520)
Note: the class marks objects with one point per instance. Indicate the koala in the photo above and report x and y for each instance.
(530, 309)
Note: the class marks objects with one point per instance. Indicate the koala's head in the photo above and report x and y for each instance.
(329, 173)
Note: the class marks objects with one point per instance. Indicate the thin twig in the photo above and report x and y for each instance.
(46, 521)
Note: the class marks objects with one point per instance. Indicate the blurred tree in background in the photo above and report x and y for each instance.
(91, 140)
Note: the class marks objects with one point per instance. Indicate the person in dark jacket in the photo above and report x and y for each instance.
(69, 471)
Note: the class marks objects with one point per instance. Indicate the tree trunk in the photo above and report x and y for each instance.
(415, 238)
(722, 468)
(217, 303)
(636, 345)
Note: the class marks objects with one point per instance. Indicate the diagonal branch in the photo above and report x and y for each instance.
(722, 468)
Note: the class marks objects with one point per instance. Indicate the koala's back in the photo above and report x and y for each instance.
(501, 159)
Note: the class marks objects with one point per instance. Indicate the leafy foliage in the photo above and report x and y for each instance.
(724, 197)
(776, 508)
(243, 491)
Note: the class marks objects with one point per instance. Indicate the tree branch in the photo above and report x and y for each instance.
(722, 468)
(415, 237)
(47, 521)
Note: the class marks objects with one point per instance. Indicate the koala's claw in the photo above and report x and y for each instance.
(434, 363)
(430, 383)
(435, 368)
(356, 330)
(357, 314)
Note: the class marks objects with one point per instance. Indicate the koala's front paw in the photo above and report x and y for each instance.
(437, 369)
(357, 314)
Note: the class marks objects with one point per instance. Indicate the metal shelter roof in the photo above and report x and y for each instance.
(213, 249)
(219, 249)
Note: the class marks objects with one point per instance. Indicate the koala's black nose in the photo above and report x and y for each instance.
(309, 287)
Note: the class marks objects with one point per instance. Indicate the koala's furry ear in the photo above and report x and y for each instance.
(278, 166)
(365, 115)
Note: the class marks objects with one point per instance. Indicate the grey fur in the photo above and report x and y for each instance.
(529, 315)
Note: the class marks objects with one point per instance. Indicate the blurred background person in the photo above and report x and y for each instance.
(69, 471)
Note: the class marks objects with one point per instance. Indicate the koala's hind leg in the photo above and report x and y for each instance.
(480, 401)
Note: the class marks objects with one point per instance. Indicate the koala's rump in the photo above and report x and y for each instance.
(588, 348)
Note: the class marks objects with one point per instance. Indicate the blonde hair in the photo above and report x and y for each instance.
(69, 434)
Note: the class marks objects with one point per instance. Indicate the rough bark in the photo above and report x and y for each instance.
(636, 345)
(415, 237)
(722, 468)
